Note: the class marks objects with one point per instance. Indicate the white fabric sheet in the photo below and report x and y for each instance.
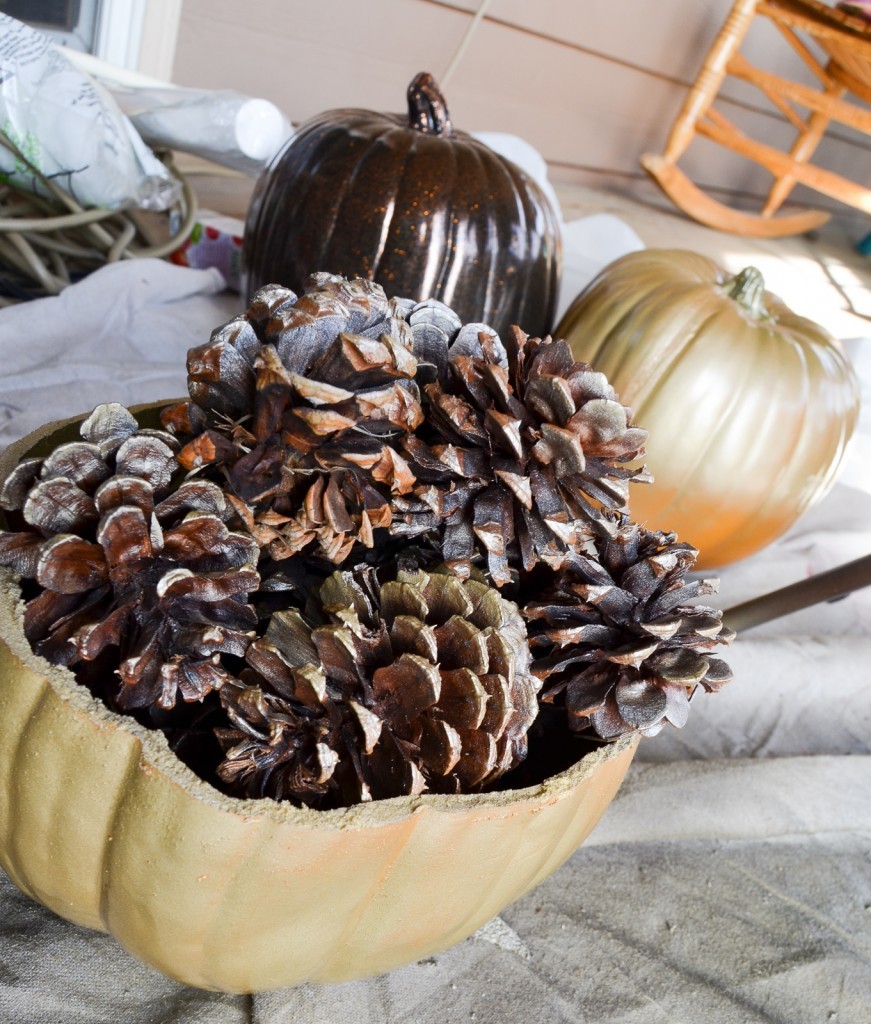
(120, 335)
(730, 881)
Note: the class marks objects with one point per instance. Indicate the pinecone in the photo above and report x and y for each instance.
(295, 401)
(421, 682)
(616, 640)
(523, 460)
(301, 402)
(123, 559)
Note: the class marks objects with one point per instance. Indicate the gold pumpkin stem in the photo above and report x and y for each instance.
(825, 586)
(427, 108)
(748, 290)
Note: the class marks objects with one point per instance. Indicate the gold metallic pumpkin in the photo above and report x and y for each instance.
(749, 406)
(101, 823)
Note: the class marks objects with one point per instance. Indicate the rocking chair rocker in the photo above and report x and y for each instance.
(846, 39)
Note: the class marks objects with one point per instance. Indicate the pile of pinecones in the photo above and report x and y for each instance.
(363, 555)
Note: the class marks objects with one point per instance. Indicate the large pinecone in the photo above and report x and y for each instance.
(523, 460)
(421, 682)
(617, 640)
(302, 403)
(296, 401)
(123, 559)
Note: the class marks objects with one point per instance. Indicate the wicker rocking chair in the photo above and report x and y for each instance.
(846, 39)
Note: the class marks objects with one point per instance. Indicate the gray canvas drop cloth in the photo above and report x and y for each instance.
(120, 335)
(729, 882)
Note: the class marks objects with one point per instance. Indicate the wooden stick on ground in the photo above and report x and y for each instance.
(825, 586)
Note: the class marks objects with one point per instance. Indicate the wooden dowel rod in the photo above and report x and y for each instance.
(780, 164)
(804, 53)
(709, 79)
(825, 586)
(827, 103)
(718, 118)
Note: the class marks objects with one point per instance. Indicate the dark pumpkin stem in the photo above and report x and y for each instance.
(825, 586)
(427, 109)
(748, 290)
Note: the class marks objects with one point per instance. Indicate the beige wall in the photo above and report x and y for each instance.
(591, 83)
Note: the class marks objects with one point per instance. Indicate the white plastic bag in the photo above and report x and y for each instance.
(68, 128)
(223, 126)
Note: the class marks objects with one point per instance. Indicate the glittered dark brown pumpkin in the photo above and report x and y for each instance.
(410, 202)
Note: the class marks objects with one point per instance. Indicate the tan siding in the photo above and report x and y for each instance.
(639, 33)
(591, 83)
(313, 56)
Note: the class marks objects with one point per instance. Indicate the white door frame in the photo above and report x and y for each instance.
(139, 34)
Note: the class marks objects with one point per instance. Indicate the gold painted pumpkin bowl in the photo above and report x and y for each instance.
(101, 823)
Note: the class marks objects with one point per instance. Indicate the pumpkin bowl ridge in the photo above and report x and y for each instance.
(102, 823)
